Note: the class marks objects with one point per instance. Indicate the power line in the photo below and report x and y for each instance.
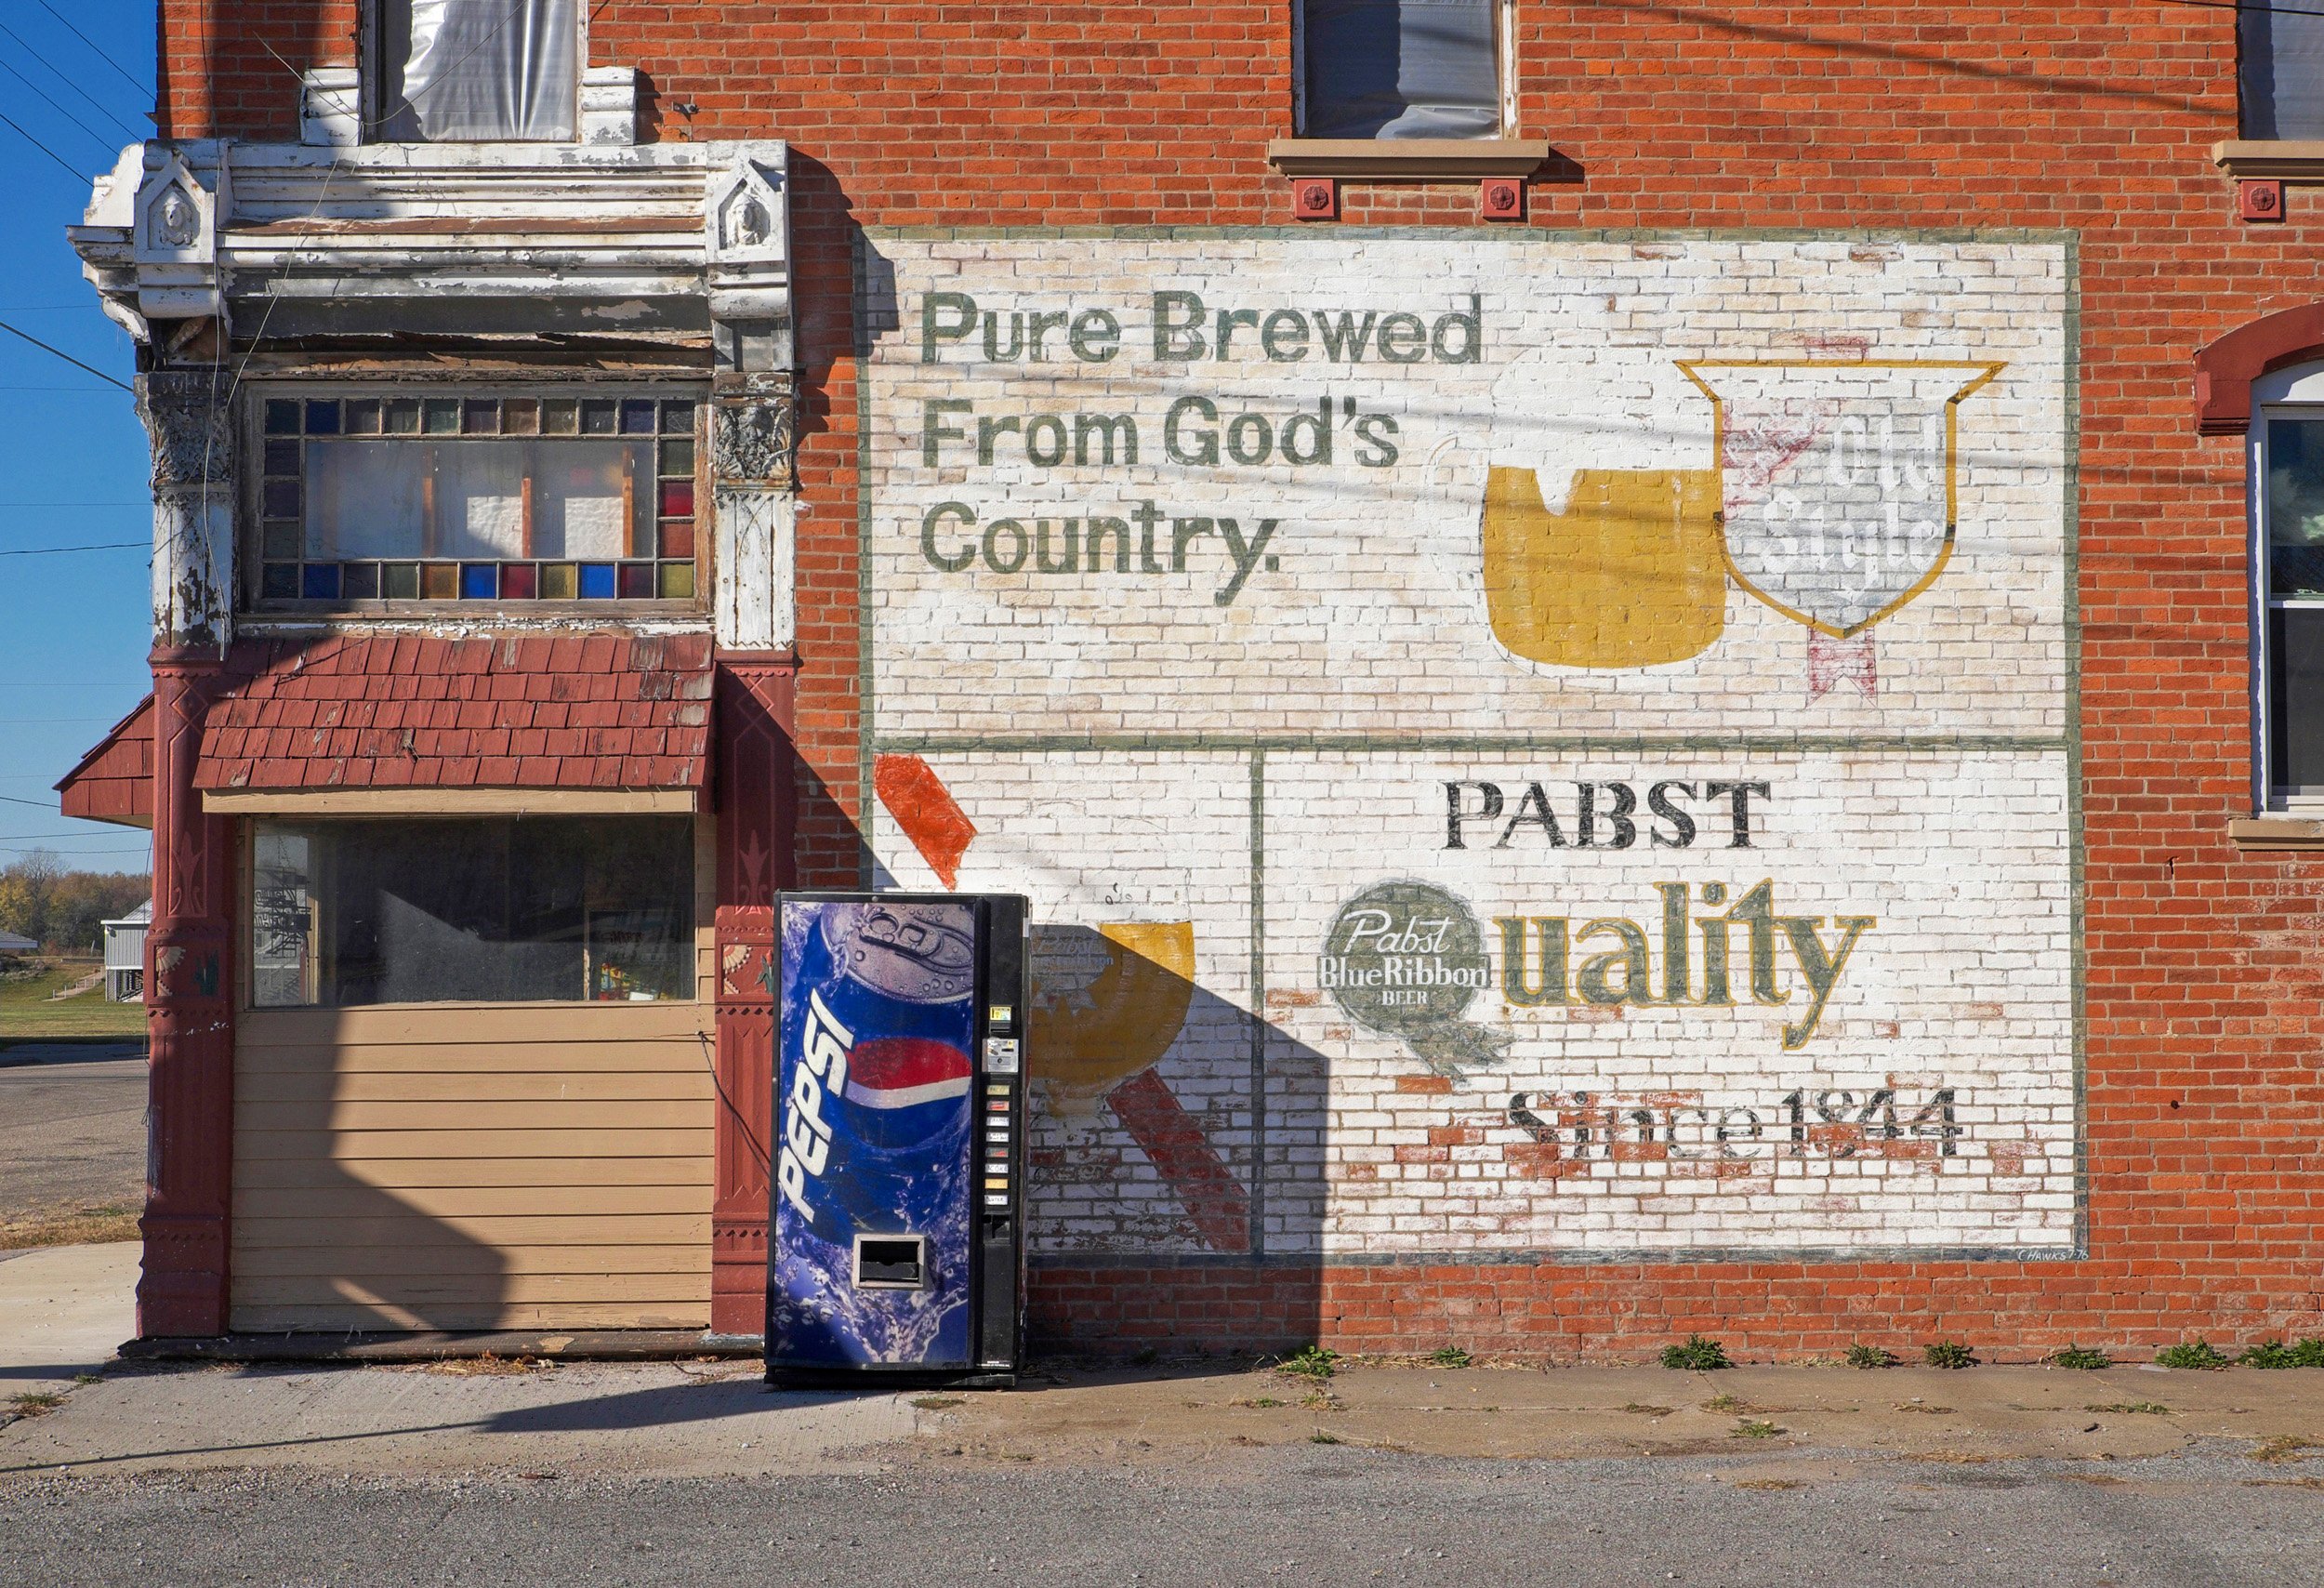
(102, 141)
(35, 804)
(68, 358)
(95, 47)
(68, 82)
(60, 551)
(74, 171)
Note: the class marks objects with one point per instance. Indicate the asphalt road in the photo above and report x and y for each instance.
(72, 1129)
(1306, 1515)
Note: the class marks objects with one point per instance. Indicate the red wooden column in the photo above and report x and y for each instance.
(756, 815)
(188, 1011)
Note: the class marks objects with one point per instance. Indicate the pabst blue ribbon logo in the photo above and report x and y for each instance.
(822, 1073)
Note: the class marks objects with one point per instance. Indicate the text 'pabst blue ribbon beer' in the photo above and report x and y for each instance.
(875, 1112)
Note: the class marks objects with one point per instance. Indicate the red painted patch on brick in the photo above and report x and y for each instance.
(925, 809)
(1168, 1137)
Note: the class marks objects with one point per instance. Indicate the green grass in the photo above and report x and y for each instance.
(1948, 1354)
(1870, 1356)
(1448, 1357)
(2081, 1359)
(26, 1010)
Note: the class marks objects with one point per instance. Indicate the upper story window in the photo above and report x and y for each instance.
(1397, 69)
(369, 494)
(473, 70)
(2281, 71)
(2288, 503)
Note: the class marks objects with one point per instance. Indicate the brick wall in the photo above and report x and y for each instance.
(2197, 1179)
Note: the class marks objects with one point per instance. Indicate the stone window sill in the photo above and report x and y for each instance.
(1410, 159)
(2277, 832)
(2287, 160)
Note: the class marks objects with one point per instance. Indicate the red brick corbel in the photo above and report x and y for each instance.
(2224, 371)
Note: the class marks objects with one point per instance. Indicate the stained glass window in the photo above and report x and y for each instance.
(394, 497)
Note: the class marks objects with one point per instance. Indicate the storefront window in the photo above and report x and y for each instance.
(492, 911)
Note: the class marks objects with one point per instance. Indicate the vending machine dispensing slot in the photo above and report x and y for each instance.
(895, 1227)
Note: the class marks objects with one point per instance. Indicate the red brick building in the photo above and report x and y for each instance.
(1413, 532)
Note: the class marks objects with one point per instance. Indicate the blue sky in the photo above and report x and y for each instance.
(74, 627)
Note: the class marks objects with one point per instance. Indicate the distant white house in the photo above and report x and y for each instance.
(125, 954)
(12, 944)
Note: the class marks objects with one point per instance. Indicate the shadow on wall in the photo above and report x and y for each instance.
(320, 1247)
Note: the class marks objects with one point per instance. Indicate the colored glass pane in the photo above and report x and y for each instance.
(279, 498)
(480, 417)
(637, 419)
(441, 416)
(478, 581)
(678, 581)
(279, 581)
(560, 581)
(519, 581)
(678, 418)
(400, 581)
(677, 458)
(678, 498)
(678, 539)
(440, 581)
(600, 417)
(279, 540)
(560, 417)
(521, 416)
(282, 457)
(596, 581)
(359, 581)
(321, 582)
(282, 417)
(322, 416)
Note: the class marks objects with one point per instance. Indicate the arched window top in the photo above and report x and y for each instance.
(2226, 370)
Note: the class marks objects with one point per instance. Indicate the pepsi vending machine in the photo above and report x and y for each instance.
(896, 1234)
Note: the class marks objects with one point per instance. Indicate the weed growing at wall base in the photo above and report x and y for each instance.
(2196, 1353)
(2277, 1354)
(1870, 1356)
(1311, 1362)
(2080, 1357)
(1948, 1354)
(1699, 1353)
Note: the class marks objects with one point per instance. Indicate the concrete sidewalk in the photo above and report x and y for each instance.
(63, 1310)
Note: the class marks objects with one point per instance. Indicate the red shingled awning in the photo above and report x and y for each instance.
(568, 711)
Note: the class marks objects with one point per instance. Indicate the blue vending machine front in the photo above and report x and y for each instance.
(898, 1081)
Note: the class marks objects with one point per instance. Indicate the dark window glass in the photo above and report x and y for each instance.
(1401, 69)
(2295, 507)
(2282, 72)
(2295, 709)
(491, 910)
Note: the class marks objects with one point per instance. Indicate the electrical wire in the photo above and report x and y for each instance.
(68, 358)
(99, 139)
(98, 49)
(66, 550)
(74, 171)
(68, 82)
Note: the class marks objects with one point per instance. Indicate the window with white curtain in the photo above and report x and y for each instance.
(450, 71)
(1395, 69)
(2281, 73)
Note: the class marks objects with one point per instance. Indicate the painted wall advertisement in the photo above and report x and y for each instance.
(1517, 742)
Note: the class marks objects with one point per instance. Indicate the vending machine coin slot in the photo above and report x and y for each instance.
(890, 1263)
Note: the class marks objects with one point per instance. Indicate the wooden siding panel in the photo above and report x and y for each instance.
(463, 1166)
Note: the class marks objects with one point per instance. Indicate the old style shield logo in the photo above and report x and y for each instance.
(1837, 479)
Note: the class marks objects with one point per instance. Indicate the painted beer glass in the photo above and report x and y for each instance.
(1600, 524)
